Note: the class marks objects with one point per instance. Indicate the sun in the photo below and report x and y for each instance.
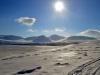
(59, 6)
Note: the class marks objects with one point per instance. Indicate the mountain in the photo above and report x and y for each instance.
(80, 38)
(42, 39)
(56, 37)
(10, 37)
(91, 33)
(31, 38)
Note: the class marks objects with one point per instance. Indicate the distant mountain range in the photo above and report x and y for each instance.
(10, 37)
(35, 39)
(80, 38)
(85, 35)
(91, 33)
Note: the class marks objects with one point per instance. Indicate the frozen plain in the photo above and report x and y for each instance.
(73, 59)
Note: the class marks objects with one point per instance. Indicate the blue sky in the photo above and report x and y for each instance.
(39, 17)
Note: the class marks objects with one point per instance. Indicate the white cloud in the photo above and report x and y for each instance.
(45, 31)
(26, 21)
(59, 30)
(30, 30)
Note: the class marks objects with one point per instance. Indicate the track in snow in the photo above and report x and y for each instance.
(89, 68)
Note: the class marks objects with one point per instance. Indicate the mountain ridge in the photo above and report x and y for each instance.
(42, 39)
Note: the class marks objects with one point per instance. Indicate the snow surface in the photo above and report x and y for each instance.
(48, 60)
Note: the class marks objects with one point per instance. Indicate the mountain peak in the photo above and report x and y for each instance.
(90, 33)
(56, 37)
(80, 38)
(42, 39)
(10, 37)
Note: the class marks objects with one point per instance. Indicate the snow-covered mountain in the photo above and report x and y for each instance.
(10, 37)
(42, 39)
(85, 35)
(91, 33)
(80, 38)
(56, 37)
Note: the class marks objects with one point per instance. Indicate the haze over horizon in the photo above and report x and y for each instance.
(43, 17)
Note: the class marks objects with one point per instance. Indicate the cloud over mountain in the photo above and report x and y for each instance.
(90, 33)
(26, 21)
(80, 38)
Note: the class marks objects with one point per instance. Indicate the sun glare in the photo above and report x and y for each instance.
(59, 6)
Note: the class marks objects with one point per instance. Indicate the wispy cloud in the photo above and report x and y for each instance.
(56, 30)
(59, 30)
(30, 30)
(45, 31)
(26, 21)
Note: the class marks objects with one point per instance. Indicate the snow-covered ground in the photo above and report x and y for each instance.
(42, 60)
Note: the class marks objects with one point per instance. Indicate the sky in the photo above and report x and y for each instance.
(39, 17)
